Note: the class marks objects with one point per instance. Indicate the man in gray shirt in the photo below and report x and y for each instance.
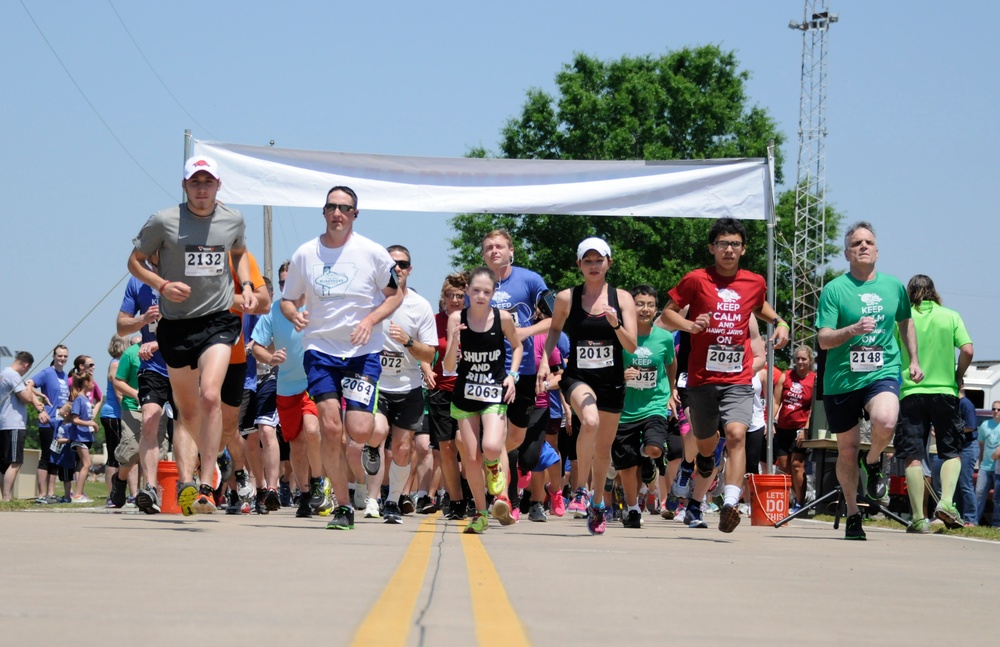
(15, 393)
(195, 241)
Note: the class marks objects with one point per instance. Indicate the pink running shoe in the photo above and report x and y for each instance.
(557, 503)
(578, 506)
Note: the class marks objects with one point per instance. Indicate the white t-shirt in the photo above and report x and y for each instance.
(400, 369)
(757, 420)
(342, 285)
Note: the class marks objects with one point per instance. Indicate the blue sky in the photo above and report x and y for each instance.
(912, 122)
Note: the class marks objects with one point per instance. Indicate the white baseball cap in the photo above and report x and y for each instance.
(592, 243)
(201, 163)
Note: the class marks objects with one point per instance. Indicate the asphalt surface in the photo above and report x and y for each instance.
(98, 578)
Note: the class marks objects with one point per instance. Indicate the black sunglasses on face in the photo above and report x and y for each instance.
(345, 209)
(403, 265)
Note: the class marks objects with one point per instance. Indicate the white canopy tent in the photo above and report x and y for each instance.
(738, 188)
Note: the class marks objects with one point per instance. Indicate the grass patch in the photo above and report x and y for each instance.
(96, 490)
(978, 532)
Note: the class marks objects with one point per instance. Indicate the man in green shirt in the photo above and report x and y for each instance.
(934, 401)
(650, 396)
(856, 322)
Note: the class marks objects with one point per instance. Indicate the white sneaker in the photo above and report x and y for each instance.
(744, 509)
(360, 495)
(371, 509)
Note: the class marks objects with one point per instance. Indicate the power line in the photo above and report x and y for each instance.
(153, 70)
(90, 103)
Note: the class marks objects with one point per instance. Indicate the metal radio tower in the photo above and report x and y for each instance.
(810, 191)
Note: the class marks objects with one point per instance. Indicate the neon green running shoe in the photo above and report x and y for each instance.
(948, 513)
(920, 527)
(496, 480)
(478, 525)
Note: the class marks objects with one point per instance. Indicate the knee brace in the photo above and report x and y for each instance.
(705, 465)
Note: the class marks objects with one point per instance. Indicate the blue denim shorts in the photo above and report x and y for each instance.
(351, 379)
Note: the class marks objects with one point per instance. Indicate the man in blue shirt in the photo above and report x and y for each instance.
(969, 456)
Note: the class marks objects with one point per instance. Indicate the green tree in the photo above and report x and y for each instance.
(687, 104)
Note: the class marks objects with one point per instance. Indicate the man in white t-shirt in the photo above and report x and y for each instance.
(348, 286)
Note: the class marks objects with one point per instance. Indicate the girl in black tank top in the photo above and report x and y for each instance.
(482, 391)
(600, 321)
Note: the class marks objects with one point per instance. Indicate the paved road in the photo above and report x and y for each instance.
(94, 578)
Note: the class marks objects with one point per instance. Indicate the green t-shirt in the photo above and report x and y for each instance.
(862, 359)
(128, 372)
(940, 331)
(649, 394)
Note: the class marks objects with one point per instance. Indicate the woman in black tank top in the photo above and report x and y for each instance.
(599, 320)
(482, 388)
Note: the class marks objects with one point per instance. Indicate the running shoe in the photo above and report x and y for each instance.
(667, 513)
(502, 511)
(425, 505)
(456, 510)
(119, 492)
(232, 502)
(371, 509)
(596, 523)
(391, 513)
(478, 525)
(285, 493)
(652, 504)
(370, 460)
(65, 499)
(359, 495)
(694, 518)
(557, 503)
(948, 513)
(496, 480)
(186, 494)
(578, 506)
(204, 503)
(271, 500)
(243, 486)
(82, 498)
(258, 503)
(342, 519)
(920, 527)
(871, 478)
(406, 504)
(304, 511)
(729, 517)
(42, 500)
(225, 463)
(537, 512)
(148, 500)
(317, 493)
(795, 508)
(470, 508)
(632, 519)
(854, 529)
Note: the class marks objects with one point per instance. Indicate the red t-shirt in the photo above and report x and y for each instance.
(442, 382)
(721, 354)
(796, 400)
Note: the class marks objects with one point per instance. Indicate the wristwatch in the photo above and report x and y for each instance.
(515, 375)
(250, 283)
(409, 343)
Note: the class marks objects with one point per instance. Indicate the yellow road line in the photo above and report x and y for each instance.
(389, 622)
(497, 623)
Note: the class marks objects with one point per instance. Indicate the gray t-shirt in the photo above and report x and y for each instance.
(194, 250)
(13, 412)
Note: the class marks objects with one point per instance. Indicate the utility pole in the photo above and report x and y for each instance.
(268, 242)
(808, 258)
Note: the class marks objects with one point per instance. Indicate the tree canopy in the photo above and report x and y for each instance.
(686, 104)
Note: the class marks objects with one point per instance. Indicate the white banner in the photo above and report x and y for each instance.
(739, 188)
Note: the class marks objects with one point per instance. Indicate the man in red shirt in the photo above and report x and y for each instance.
(722, 298)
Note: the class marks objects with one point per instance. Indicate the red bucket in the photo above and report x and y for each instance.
(769, 495)
(166, 477)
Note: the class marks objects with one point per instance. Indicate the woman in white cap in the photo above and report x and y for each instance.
(600, 321)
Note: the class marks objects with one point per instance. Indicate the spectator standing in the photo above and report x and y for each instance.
(15, 394)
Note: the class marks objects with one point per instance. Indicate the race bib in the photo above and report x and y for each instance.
(724, 359)
(682, 380)
(359, 388)
(646, 379)
(204, 260)
(56, 447)
(865, 359)
(595, 354)
(513, 314)
(392, 362)
(491, 393)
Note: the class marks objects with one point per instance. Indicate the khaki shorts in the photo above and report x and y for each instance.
(127, 452)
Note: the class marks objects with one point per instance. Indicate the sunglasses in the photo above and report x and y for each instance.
(89, 365)
(403, 265)
(455, 295)
(996, 409)
(345, 209)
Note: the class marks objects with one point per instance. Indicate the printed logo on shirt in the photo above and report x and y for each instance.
(870, 299)
(729, 295)
(332, 282)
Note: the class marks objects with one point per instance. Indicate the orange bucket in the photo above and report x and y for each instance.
(768, 498)
(166, 476)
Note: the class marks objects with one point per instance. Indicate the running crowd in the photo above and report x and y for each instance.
(352, 394)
